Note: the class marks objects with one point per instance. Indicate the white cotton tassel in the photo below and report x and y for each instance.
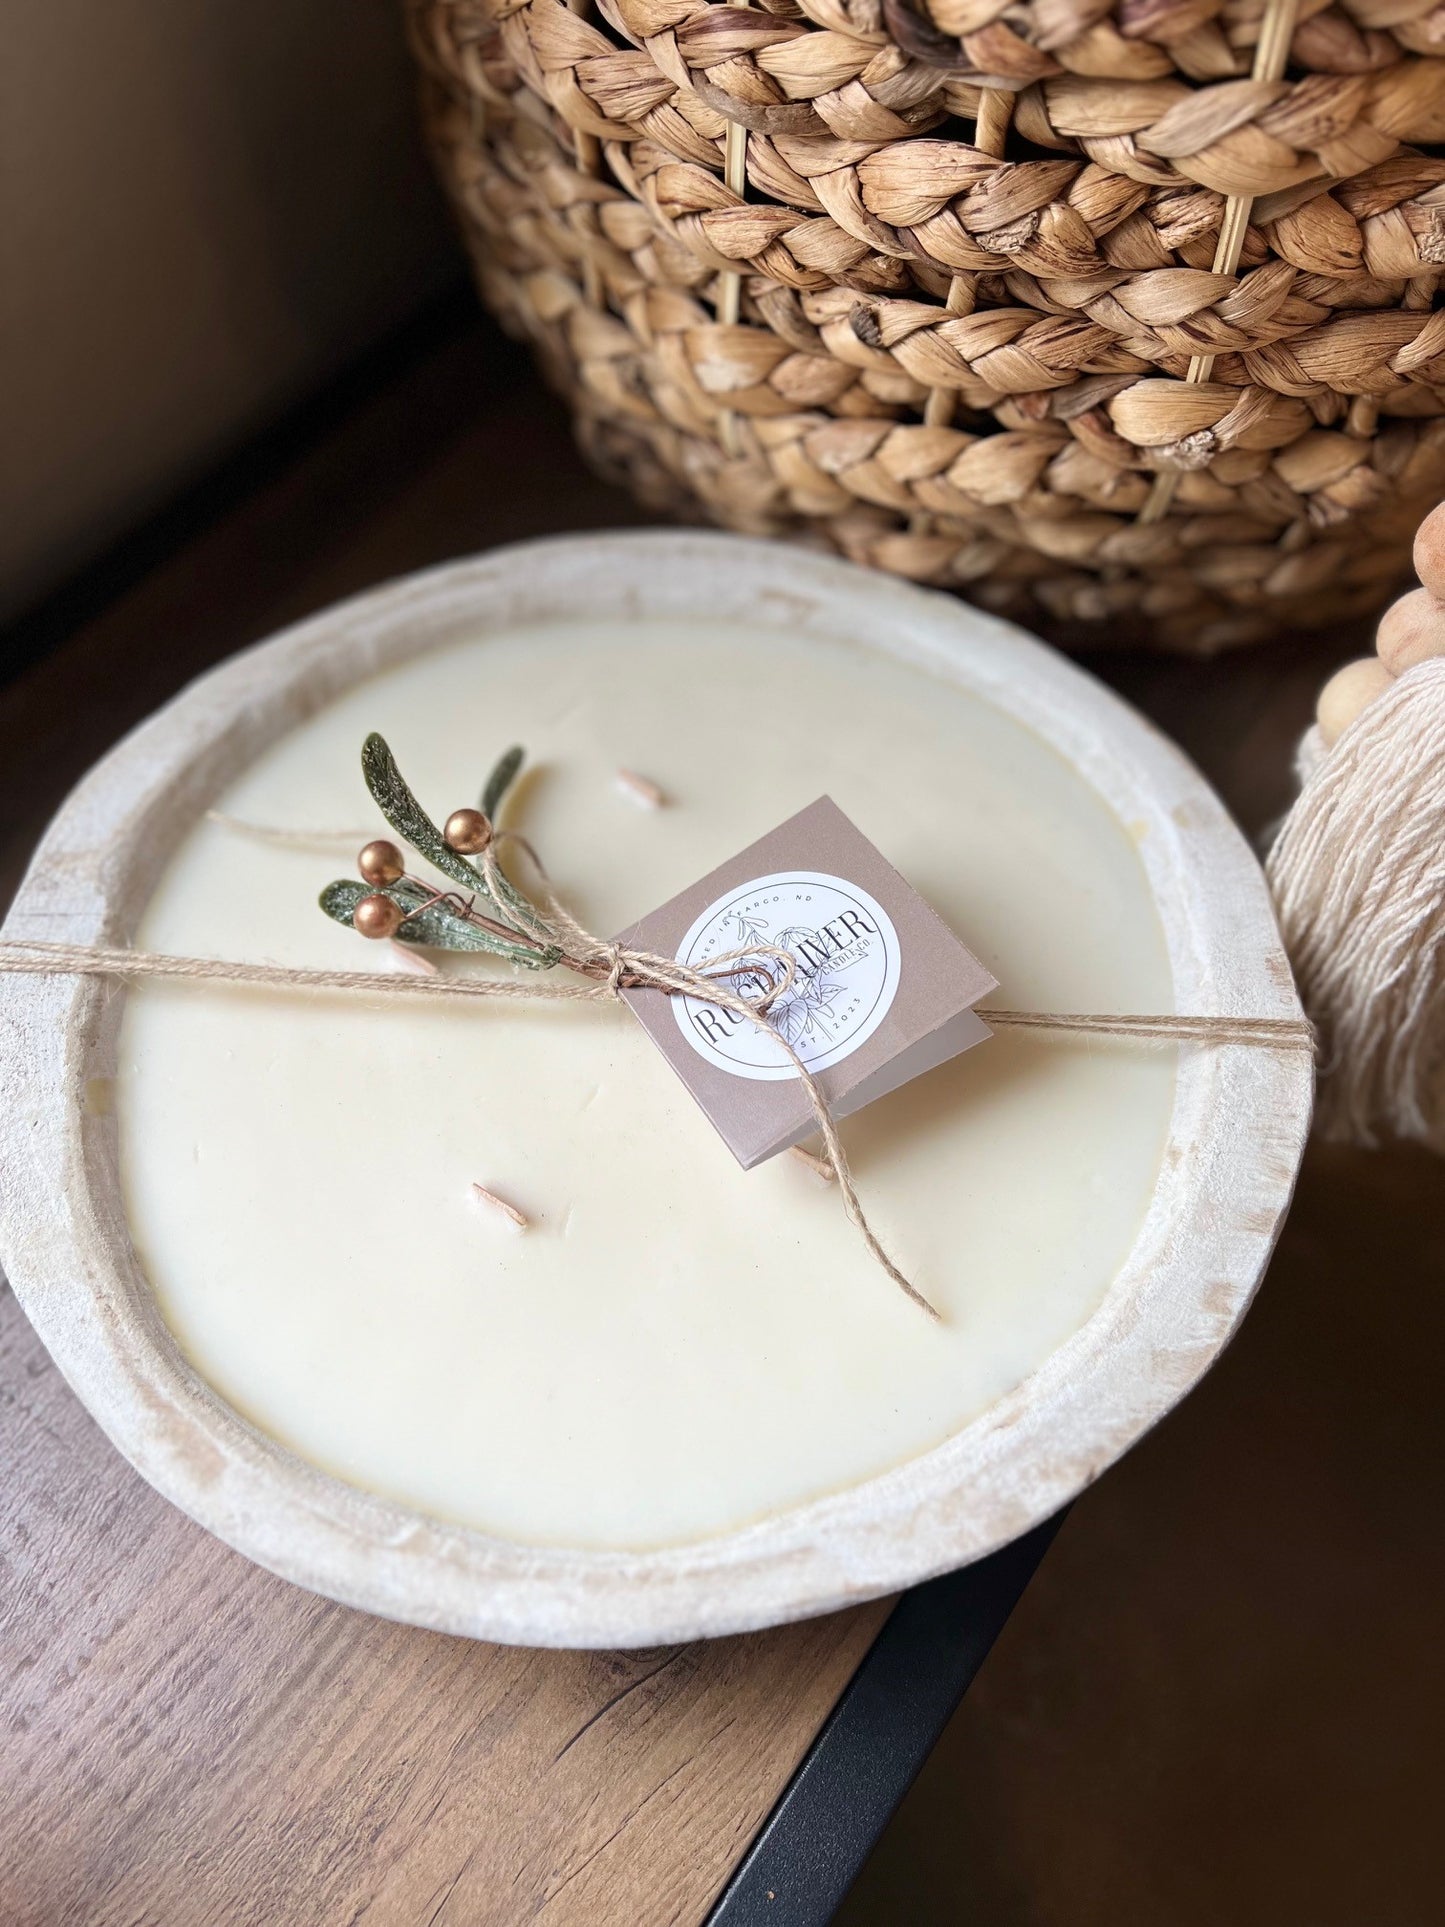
(1358, 875)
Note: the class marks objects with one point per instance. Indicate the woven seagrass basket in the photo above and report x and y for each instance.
(1119, 316)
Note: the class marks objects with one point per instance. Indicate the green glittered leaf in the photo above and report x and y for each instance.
(501, 780)
(394, 798)
(437, 928)
(406, 816)
(503, 775)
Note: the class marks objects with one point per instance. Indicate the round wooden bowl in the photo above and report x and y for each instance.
(1238, 1126)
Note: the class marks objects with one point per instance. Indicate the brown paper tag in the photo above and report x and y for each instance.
(884, 990)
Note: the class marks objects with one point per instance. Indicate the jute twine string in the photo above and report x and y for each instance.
(612, 969)
(21, 957)
(615, 968)
(629, 969)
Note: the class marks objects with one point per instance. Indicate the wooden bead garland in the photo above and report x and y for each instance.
(1358, 873)
(1411, 631)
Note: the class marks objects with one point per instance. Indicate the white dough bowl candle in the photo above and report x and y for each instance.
(462, 1311)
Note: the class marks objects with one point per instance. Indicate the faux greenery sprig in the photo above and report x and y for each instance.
(488, 913)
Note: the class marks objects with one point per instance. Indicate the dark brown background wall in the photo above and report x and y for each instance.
(204, 209)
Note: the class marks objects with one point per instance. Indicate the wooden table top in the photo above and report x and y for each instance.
(189, 1740)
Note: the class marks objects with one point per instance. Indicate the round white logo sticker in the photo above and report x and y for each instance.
(847, 955)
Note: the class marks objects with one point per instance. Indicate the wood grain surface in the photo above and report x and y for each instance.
(189, 1741)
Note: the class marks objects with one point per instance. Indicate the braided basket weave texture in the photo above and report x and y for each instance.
(1107, 313)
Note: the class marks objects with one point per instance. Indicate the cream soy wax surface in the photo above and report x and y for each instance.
(673, 1347)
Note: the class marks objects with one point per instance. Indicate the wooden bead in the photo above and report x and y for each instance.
(1430, 552)
(380, 862)
(467, 831)
(1347, 692)
(376, 916)
(1411, 630)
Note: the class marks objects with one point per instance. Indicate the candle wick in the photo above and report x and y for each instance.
(819, 1167)
(490, 1198)
(643, 791)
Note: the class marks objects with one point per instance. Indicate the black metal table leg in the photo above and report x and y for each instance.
(829, 1817)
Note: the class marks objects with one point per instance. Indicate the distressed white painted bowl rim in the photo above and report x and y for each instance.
(1236, 1134)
